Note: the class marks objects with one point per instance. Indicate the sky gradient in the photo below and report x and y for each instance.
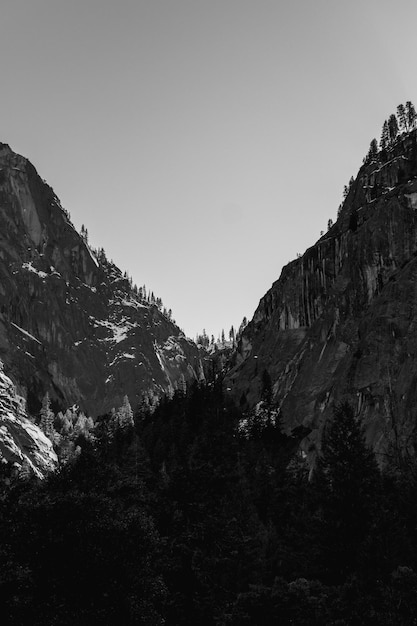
(202, 143)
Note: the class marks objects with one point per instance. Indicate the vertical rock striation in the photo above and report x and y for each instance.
(340, 323)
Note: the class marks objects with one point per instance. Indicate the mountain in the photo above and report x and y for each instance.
(340, 322)
(71, 324)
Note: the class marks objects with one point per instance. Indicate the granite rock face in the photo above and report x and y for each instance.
(70, 322)
(22, 443)
(341, 321)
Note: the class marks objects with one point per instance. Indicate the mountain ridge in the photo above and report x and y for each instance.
(70, 323)
(337, 323)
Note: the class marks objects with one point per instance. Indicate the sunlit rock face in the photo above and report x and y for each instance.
(341, 321)
(23, 446)
(70, 322)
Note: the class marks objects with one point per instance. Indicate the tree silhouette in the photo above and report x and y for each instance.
(372, 152)
(410, 115)
(384, 141)
(402, 118)
(347, 476)
(392, 128)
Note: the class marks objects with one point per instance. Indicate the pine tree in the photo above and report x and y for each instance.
(347, 475)
(125, 414)
(392, 128)
(410, 115)
(47, 417)
(84, 233)
(384, 136)
(402, 118)
(80, 425)
(372, 152)
(242, 327)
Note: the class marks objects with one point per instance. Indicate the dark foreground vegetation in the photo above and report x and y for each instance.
(187, 519)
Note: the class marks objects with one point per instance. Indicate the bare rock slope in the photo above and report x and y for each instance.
(341, 321)
(23, 446)
(70, 322)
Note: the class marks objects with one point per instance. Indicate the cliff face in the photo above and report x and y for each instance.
(70, 323)
(340, 323)
(22, 444)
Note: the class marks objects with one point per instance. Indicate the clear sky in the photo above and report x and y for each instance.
(203, 143)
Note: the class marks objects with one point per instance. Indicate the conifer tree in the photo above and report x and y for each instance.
(80, 426)
(402, 118)
(384, 136)
(47, 417)
(345, 458)
(125, 414)
(242, 326)
(347, 475)
(84, 233)
(392, 128)
(372, 152)
(410, 114)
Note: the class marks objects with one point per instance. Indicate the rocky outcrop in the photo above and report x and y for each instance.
(23, 446)
(340, 322)
(70, 322)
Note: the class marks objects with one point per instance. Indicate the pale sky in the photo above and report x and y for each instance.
(203, 143)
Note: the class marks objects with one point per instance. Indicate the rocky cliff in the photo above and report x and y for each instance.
(341, 321)
(23, 446)
(70, 322)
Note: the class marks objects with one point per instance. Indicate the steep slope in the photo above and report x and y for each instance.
(22, 443)
(341, 320)
(70, 323)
